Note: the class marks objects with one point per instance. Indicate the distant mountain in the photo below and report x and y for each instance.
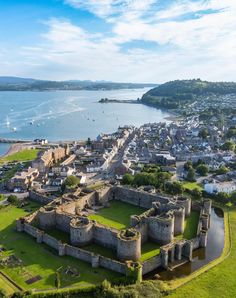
(173, 94)
(28, 84)
(16, 80)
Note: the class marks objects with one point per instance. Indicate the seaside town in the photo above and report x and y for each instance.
(138, 204)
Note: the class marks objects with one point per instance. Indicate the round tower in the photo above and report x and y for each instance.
(186, 203)
(161, 228)
(179, 220)
(81, 231)
(129, 245)
(203, 238)
(47, 217)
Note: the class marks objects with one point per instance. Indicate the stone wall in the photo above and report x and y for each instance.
(63, 221)
(30, 230)
(79, 253)
(105, 236)
(136, 197)
(151, 264)
(40, 198)
(50, 241)
(112, 265)
(196, 243)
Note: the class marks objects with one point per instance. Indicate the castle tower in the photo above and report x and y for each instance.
(207, 206)
(161, 228)
(47, 217)
(203, 238)
(129, 245)
(81, 231)
(179, 220)
(186, 203)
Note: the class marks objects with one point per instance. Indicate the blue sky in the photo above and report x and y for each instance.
(119, 40)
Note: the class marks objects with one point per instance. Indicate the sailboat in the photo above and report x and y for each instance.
(7, 122)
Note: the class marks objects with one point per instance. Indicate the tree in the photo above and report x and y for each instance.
(89, 142)
(196, 193)
(188, 165)
(13, 199)
(144, 179)
(161, 178)
(222, 197)
(202, 170)
(222, 170)
(191, 175)
(228, 146)
(127, 179)
(174, 188)
(203, 133)
(71, 181)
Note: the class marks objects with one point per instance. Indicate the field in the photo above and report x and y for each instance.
(149, 250)
(24, 155)
(117, 215)
(219, 281)
(192, 185)
(40, 259)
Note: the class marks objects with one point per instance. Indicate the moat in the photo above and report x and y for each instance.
(201, 256)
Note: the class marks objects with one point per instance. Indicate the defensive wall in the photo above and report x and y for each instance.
(161, 222)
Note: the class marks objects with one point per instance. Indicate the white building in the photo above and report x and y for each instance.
(227, 187)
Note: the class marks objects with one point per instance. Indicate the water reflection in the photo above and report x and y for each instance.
(202, 256)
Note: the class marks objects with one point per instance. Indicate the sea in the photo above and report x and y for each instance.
(70, 115)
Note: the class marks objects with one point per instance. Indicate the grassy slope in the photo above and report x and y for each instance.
(24, 155)
(117, 215)
(41, 260)
(220, 281)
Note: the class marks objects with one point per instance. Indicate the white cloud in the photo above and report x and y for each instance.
(199, 47)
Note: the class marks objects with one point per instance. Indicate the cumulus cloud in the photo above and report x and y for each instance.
(200, 45)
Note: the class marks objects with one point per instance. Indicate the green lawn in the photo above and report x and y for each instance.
(219, 281)
(149, 250)
(190, 226)
(24, 155)
(117, 215)
(191, 185)
(39, 259)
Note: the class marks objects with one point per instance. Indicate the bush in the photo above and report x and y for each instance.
(202, 170)
(72, 181)
(13, 200)
(191, 175)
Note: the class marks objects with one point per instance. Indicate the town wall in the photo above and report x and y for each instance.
(136, 197)
(62, 221)
(112, 265)
(50, 241)
(105, 236)
(151, 264)
(40, 198)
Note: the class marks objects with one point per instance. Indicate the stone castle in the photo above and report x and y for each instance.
(162, 221)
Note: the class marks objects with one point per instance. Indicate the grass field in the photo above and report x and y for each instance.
(191, 185)
(149, 250)
(190, 226)
(117, 215)
(40, 259)
(219, 281)
(24, 155)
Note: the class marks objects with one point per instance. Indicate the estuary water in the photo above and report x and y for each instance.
(70, 115)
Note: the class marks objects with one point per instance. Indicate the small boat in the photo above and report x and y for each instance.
(14, 129)
(8, 122)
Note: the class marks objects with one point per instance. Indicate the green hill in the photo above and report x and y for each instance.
(174, 94)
